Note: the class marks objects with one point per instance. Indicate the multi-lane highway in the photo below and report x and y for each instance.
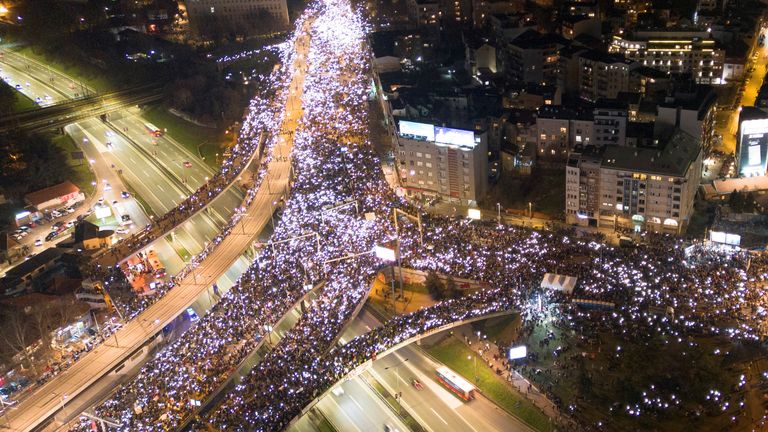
(45, 402)
(434, 407)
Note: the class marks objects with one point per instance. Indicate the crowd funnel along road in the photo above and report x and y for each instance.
(267, 115)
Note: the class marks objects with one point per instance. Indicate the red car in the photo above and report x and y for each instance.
(187, 164)
(417, 384)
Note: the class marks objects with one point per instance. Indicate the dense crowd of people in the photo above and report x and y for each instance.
(700, 291)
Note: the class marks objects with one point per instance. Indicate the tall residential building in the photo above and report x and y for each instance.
(424, 13)
(676, 52)
(436, 161)
(752, 142)
(604, 76)
(533, 57)
(246, 16)
(692, 109)
(641, 188)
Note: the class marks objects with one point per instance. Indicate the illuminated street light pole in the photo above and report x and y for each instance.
(398, 398)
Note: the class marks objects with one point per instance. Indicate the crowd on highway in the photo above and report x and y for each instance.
(705, 290)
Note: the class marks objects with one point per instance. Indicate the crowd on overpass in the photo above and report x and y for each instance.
(706, 294)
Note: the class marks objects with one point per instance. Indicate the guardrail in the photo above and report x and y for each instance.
(368, 363)
(246, 364)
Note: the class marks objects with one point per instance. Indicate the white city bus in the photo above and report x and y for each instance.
(153, 130)
(451, 380)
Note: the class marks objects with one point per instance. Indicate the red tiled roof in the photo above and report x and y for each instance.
(49, 193)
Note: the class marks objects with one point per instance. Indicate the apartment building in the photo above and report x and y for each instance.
(674, 51)
(604, 76)
(436, 161)
(642, 188)
(533, 57)
(424, 13)
(560, 129)
(237, 14)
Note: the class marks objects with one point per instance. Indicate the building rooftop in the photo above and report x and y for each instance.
(86, 230)
(679, 152)
(7, 242)
(34, 263)
(49, 193)
(603, 57)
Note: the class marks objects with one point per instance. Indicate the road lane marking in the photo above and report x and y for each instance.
(356, 403)
(439, 416)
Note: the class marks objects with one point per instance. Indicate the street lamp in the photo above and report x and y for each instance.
(530, 209)
(474, 357)
(398, 379)
(498, 207)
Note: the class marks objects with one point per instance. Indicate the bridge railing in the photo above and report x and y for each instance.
(406, 336)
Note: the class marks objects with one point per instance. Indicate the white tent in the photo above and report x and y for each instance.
(558, 282)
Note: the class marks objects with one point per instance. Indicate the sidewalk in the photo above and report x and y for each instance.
(489, 352)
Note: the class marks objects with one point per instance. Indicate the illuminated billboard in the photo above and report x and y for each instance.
(753, 143)
(437, 134)
(456, 137)
(725, 238)
(518, 352)
(417, 130)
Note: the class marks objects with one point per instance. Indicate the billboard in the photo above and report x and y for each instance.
(420, 130)
(474, 213)
(438, 134)
(458, 137)
(518, 352)
(725, 238)
(753, 147)
(385, 253)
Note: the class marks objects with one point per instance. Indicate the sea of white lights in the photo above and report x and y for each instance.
(333, 163)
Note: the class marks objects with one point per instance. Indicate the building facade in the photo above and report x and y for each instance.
(676, 52)
(641, 189)
(238, 15)
(435, 161)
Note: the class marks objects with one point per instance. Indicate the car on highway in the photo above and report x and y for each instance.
(115, 203)
(38, 242)
(38, 100)
(125, 195)
(107, 187)
(417, 384)
(18, 86)
(110, 134)
(187, 164)
(48, 98)
(109, 145)
(27, 84)
(51, 235)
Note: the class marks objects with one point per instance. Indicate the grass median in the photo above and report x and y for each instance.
(455, 354)
(200, 141)
(82, 176)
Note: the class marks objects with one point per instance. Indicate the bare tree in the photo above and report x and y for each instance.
(19, 335)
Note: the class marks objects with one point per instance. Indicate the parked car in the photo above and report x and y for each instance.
(187, 164)
(125, 194)
(38, 242)
(57, 225)
(51, 235)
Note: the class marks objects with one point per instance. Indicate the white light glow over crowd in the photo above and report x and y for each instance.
(706, 292)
